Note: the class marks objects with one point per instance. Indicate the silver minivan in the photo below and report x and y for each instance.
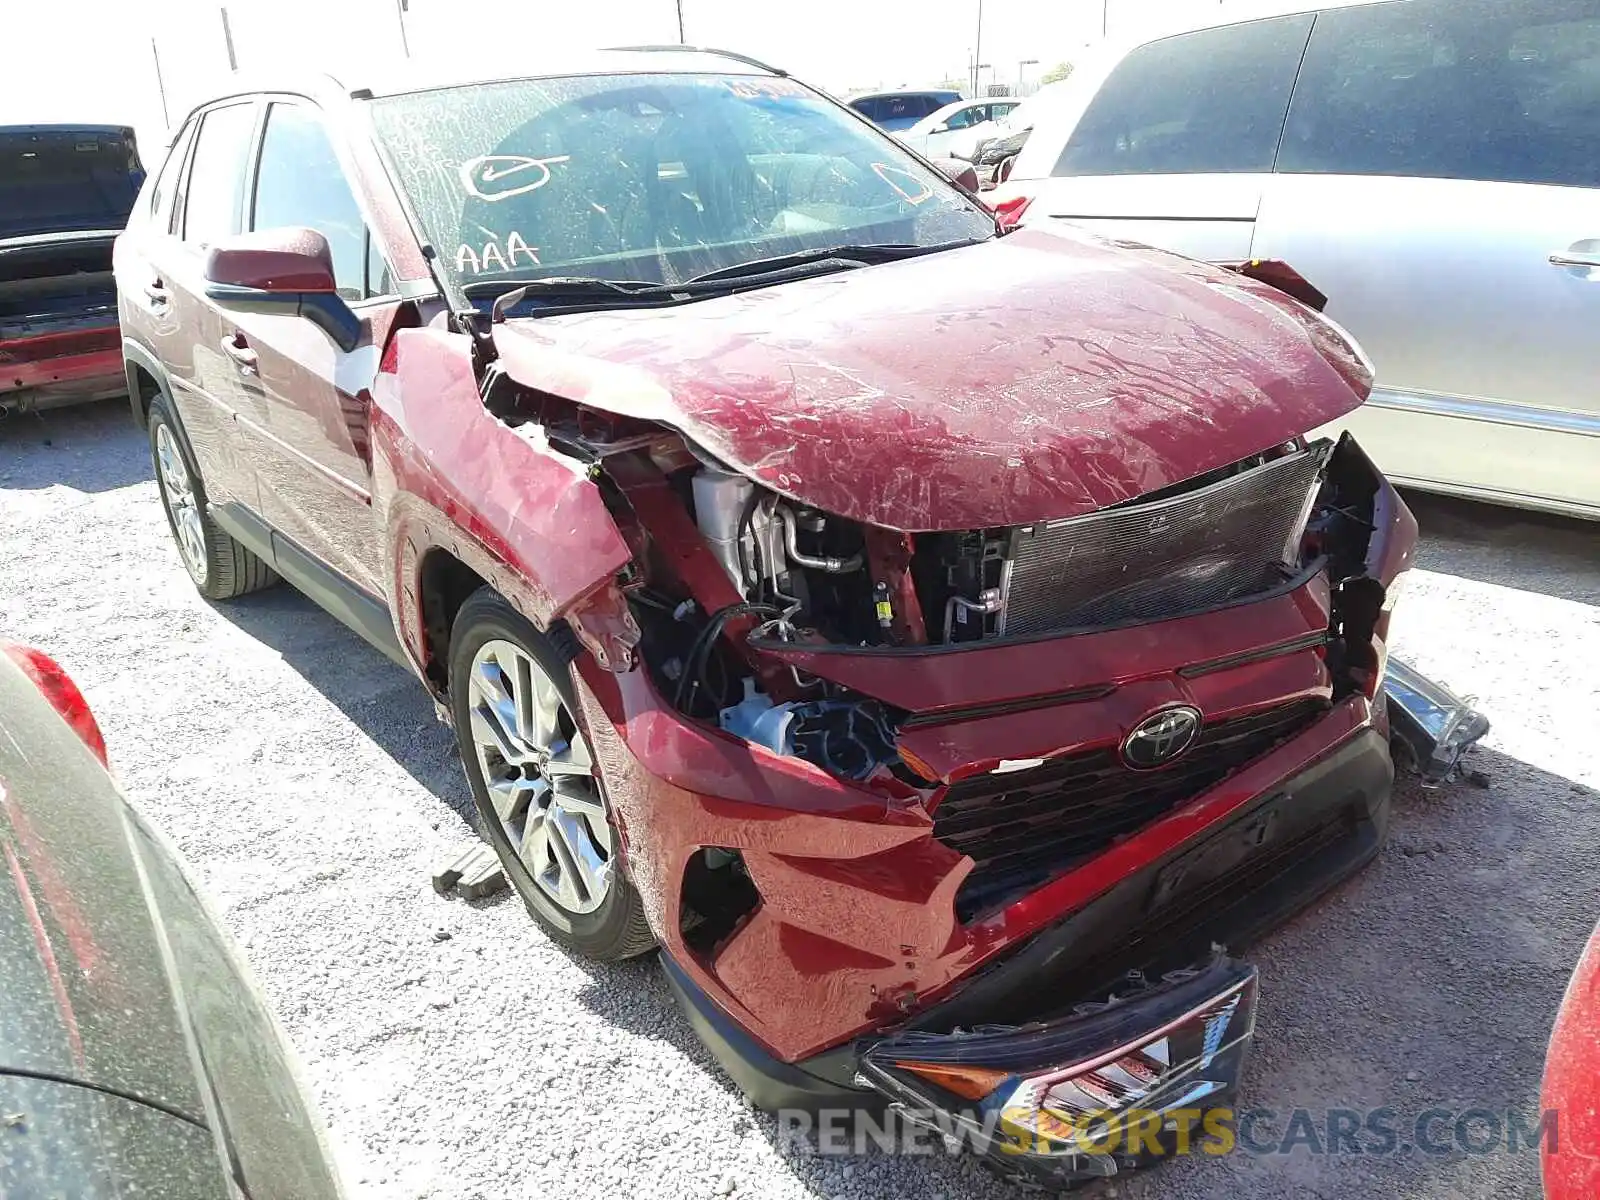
(1433, 166)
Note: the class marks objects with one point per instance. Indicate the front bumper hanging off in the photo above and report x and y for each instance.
(1086, 1095)
(1028, 1063)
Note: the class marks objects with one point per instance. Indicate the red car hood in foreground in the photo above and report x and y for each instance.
(1572, 1086)
(1034, 377)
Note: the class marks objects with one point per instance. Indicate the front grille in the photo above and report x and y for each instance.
(1024, 829)
(1149, 561)
(1170, 934)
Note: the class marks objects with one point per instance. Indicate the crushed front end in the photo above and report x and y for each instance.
(877, 787)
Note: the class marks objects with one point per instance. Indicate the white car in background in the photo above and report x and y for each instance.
(993, 148)
(1432, 166)
(956, 126)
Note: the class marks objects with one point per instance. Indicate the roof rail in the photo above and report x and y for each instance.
(741, 58)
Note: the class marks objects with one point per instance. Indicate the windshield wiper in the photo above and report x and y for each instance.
(578, 286)
(561, 290)
(861, 256)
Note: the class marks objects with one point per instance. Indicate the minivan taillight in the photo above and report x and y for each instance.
(62, 694)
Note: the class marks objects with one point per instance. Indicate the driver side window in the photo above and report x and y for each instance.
(299, 182)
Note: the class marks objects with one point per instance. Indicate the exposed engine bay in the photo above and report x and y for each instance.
(1227, 536)
(726, 569)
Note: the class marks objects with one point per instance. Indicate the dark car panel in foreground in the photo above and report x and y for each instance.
(893, 619)
(135, 1052)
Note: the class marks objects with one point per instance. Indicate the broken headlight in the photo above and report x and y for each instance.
(1086, 1095)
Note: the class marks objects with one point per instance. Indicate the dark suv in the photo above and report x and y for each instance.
(905, 625)
(895, 111)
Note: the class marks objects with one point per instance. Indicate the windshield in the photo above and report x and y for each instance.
(658, 178)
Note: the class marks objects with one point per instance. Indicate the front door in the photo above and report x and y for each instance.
(315, 475)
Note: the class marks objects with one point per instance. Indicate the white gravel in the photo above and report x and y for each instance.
(454, 1052)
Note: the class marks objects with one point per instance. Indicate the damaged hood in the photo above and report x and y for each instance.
(1034, 377)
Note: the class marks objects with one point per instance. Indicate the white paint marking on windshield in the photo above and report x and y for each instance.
(495, 257)
(500, 176)
(515, 246)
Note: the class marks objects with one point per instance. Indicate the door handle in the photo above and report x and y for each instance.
(156, 294)
(241, 353)
(1575, 258)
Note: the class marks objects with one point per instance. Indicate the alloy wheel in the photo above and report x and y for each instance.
(182, 505)
(540, 777)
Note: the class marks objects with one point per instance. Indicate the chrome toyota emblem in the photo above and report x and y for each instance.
(1161, 737)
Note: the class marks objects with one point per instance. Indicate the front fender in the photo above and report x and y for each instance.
(449, 475)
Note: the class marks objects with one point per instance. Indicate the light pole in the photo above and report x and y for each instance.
(227, 37)
(681, 40)
(400, 12)
(977, 51)
(161, 85)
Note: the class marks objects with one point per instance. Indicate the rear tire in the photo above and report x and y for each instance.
(538, 796)
(220, 566)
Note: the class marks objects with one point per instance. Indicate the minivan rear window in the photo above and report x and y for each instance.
(1505, 90)
(1206, 102)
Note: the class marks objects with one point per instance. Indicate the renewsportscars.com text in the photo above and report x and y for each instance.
(1262, 1132)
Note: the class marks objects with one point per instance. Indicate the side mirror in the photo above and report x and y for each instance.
(287, 271)
(945, 128)
(963, 174)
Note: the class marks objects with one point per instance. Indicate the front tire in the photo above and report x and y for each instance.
(538, 795)
(220, 566)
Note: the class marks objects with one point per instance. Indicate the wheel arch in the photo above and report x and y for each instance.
(444, 582)
(147, 379)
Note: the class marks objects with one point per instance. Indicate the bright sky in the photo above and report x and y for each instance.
(91, 60)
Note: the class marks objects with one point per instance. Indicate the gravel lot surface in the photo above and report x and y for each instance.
(454, 1052)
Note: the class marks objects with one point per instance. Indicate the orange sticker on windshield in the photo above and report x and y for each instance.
(898, 178)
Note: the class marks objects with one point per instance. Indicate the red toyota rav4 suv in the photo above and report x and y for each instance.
(906, 627)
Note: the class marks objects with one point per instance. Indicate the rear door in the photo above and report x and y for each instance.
(315, 468)
(166, 283)
(1440, 182)
(150, 240)
(1176, 147)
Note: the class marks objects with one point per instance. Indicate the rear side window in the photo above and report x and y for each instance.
(1207, 102)
(299, 182)
(216, 182)
(905, 108)
(867, 108)
(1452, 89)
(166, 184)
